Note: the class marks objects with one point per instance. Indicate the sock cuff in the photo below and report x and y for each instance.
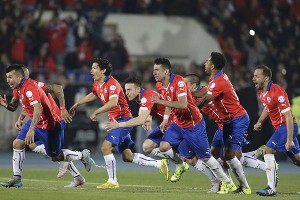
(109, 157)
(269, 157)
(17, 150)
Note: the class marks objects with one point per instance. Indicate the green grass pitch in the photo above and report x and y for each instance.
(42, 184)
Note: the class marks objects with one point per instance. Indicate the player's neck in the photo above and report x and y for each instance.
(101, 80)
(166, 81)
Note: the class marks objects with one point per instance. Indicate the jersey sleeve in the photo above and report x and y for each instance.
(282, 101)
(181, 88)
(42, 85)
(114, 90)
(146, 103)
(94, 88)
(215, 88)
(15, 94)
(32, 94)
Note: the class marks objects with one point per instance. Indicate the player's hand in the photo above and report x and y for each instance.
(155, 99)
(146, 127)
(289, 145)
(66, 116)
(257, 126)
(163, 125)
(111, 125)
(29, 137)
(3, 101)
(73, 109)
(18, 124)
(93, 117)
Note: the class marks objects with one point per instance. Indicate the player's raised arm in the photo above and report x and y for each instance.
(57, 90)
(12, 106)
(88, 98)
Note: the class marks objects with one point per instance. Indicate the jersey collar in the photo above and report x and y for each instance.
(269, 85)
(171, 77)
(218, 74)
(22, 82)
(142, 92)
(106, 78)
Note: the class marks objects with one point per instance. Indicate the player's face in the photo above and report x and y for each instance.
(96, 72)
(259, 79)
(132, 91)
(13, 79)
(208, 66)
(159, 73)
(190, 85)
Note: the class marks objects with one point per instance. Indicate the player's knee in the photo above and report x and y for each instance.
(147, 149)
(127, 157)
(164, 146)
(32, 146)
(18, 144)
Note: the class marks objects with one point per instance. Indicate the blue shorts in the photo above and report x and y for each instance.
(185, 151)
(278, 140)
(52, 139)
(120, 137)
(22, 133)
(234, 130)
(156, 135)
(217, 140)
(196, 138)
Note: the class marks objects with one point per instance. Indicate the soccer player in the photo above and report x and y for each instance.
(38, 146)
(108, 89)
(45, 124)
(284, 139)
(135, 91)
(217, 144)
(234, 117)
(188, 124)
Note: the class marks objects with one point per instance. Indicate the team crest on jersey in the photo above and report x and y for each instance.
(168, 98)
(281, 99)
(212, 86)
(172, 89)
(29, 94)
(268, 99)
(143, 100)
(112, 87)
(41, 84)
(105, 90)
(180, 83)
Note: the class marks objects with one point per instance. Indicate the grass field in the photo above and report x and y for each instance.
(42, 184)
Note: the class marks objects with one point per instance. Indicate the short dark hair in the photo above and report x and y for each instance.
(135, 80)
(17, 67)
(218, 59)
(164, 62)
(193, 78)
(103, 64)
(266, 70)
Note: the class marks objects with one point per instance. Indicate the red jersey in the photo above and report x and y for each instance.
(157, 111)
(226, 100)
(43, 86)
(112, 88)
(275, 102)
(29, 94)
(210, 109)
(185, 118)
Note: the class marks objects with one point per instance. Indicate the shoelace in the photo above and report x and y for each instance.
(99, 166)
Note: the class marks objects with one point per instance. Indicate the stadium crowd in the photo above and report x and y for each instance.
(61, 47)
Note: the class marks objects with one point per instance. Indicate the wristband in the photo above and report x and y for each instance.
(11, 108)
(166, 117)
(62, 107)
